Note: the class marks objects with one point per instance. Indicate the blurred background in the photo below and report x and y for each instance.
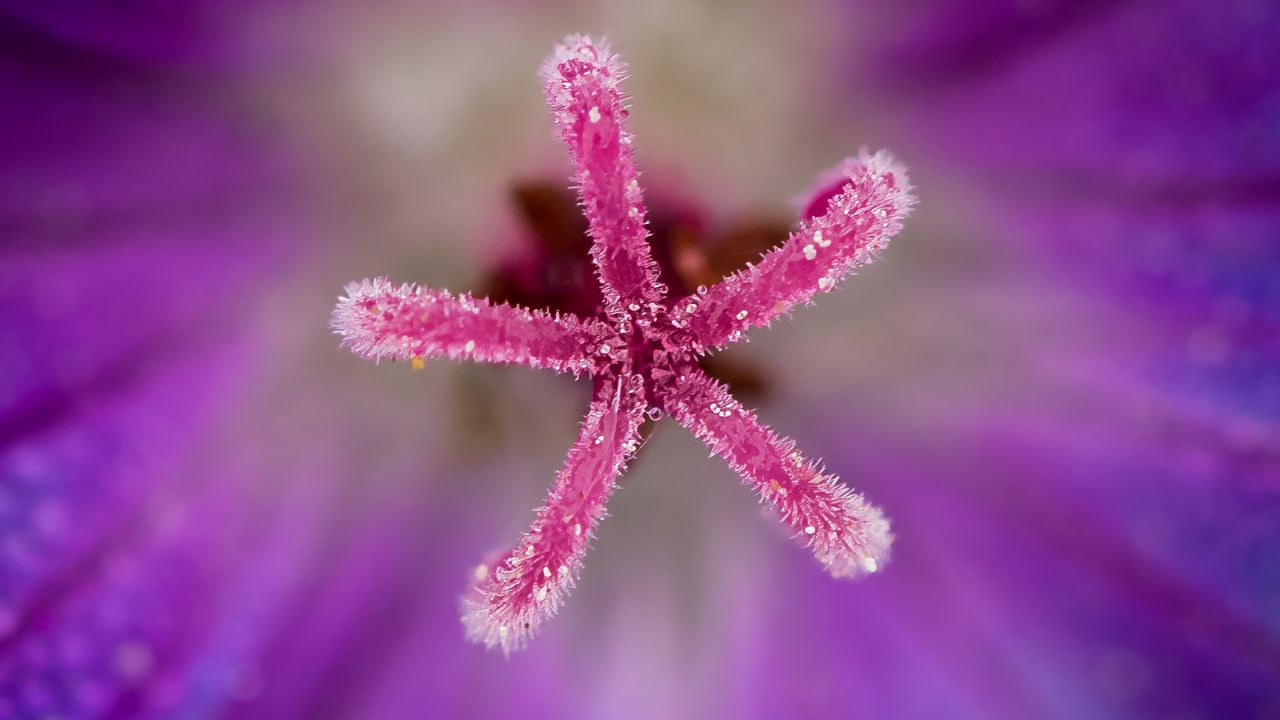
(1061, 382)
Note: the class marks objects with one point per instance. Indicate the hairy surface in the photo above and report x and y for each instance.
(640, 350)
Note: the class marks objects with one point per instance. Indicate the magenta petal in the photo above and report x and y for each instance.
(848, 535)
(512, 597)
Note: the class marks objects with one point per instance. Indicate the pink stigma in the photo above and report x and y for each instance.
(640, 351)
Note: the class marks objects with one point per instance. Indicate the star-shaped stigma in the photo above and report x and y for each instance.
(641, 351)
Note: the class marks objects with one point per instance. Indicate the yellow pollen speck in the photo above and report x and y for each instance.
(418, 363)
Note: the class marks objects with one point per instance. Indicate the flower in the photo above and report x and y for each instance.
(1061, 387)
(642, 349)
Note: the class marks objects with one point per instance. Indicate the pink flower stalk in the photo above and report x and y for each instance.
(641, 351)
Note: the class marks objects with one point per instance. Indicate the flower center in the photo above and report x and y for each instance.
(648, 353)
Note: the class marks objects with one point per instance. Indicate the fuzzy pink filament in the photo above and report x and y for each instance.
(528, 584)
